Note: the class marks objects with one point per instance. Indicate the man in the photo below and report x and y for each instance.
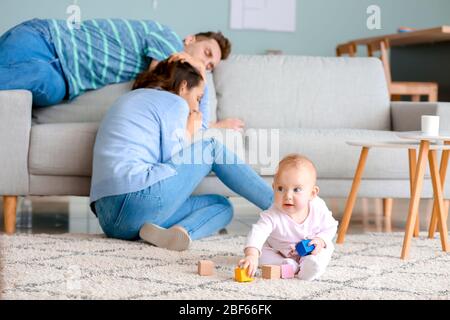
(56, 61)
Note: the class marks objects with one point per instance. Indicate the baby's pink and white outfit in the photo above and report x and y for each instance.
(276, 233)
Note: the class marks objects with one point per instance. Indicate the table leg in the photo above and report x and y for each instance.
(412, 169)
(439, 198)
(434, 216)
(352, 196)
(415, 196)
(442, 173)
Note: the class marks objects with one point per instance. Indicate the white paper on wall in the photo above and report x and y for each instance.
(271, 15)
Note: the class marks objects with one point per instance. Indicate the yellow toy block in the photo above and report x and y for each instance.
(240, 275)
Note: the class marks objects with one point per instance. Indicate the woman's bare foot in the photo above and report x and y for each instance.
(175, 238)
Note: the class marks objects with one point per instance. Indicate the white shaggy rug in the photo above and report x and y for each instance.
(72, 266)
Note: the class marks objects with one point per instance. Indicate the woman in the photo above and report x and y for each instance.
(143, 173)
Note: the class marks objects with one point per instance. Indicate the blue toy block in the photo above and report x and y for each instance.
(303, 247)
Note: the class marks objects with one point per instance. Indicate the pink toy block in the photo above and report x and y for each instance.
(287, 271)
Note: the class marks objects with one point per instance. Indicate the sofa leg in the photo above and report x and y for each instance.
(9, 213)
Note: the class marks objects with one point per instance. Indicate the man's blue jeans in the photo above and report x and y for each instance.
(169, 202)
(28, 60)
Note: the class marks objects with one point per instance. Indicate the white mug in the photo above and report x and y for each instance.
(430, 125)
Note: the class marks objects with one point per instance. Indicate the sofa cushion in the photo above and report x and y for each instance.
(62, 154)
(303, 92)
(62, 149)
(89, 107)
(333, 157)
(66, 149)
(92, 105)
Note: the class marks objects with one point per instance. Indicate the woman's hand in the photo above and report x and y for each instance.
(194, 122)
(186, 57)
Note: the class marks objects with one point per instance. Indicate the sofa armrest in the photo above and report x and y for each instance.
(406, 116)
(15, 126)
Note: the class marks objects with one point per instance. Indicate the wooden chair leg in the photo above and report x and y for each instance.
(352, 196)
(433, 96)
(365, 211)
(437, 191)
(415, 197)
(415, 98)
(387, 213)
(9, 213)
(387, 207)
(334, 205)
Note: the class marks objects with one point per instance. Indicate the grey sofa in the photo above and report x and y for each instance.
(313, 104)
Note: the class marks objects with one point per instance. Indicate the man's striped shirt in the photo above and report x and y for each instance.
(106, 51)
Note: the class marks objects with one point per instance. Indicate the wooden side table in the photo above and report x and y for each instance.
(416, 172)
(437, 178)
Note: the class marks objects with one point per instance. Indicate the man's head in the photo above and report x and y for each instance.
(208, 47)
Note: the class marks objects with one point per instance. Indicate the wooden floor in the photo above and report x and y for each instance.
(55, 215)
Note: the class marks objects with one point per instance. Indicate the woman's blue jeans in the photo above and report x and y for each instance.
(170, 201)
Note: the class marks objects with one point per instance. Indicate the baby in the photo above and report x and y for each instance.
(296, 214)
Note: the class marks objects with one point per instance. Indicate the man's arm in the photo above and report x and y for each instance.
(153, 65)
(229, 123)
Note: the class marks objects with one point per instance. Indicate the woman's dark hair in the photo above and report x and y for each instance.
(169, 76)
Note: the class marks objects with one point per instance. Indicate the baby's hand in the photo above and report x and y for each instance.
(250, 262)
(319, 243)
(293, 253)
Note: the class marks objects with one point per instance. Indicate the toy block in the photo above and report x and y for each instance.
(303, 248)
(271, 272)
(287, 271)
(205, 267)
(240, 275)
